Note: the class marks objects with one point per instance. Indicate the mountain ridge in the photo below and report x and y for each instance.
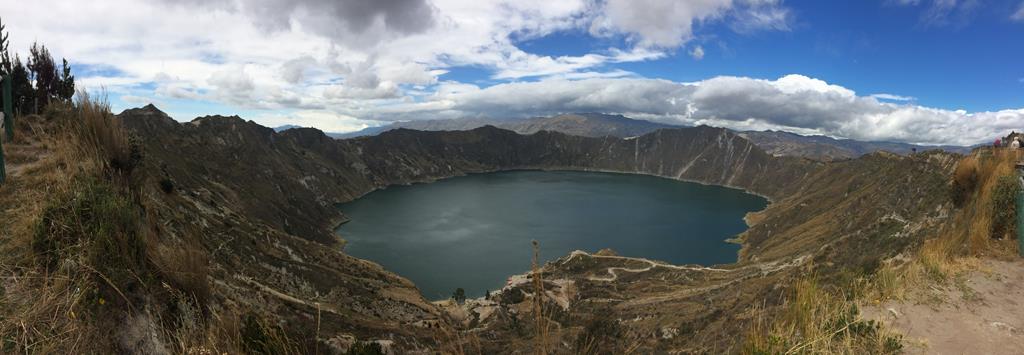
(779, 143)
(289, 181)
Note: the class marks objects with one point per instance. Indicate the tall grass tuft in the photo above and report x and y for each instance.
(104, 134)
(965, 180)
(817, 320)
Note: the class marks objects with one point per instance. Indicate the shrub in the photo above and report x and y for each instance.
(459, 295)
(103, 136)
(365, 349)
(1004, 207)
(166, 185)
(96, 221)
(818, 320)
(600, 335)
(185, 269)
(92, 212)
(259, 338)
(513, 296)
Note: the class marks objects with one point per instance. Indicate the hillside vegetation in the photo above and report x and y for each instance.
(102, 254)
(81, 253)
(981, 225)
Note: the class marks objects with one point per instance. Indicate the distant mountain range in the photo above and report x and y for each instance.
(777, 143)
(578, 124)
(285, 127)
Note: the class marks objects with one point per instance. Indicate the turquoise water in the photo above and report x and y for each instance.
(475, 231)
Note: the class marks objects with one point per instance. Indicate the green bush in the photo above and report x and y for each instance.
(1004, 207)
(512, 296)
(95, 224)
(459, 295)
(258, 337)
(600, 335)
(365, 349)
(166, 185)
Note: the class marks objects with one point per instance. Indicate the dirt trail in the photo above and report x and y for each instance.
(980, 314)
(766, 268)
(21, 153)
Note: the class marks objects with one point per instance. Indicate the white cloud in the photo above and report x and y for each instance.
(939, 13)
(1019, 15)
(697, 53)
(891, 97)
(671, 23)
(325, 121)
(761, 15)
(794, 103)
(279, 54)
(657, 23)
(383, 90)
(232, 79)
(141, 101)
(338, 65)
(353, 23)
(293, 71)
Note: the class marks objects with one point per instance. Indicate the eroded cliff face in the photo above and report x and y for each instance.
(264, 203)
(291, 179)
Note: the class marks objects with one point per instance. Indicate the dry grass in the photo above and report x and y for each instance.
(51, 309)
(184, 268)
(541, 323)
(975, 219)
(452, 341)
(100, 135)
(980, 225)
(817, 320)
(81, 266)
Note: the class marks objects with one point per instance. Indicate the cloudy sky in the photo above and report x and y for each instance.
(919, 71)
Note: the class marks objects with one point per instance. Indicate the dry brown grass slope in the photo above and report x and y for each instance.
(99, 253)
(925, 294)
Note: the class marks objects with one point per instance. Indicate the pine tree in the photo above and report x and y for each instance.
(67, 83)
(35, 82)
(22, 87)
(5, 55)
(459, 295)
(43, 71)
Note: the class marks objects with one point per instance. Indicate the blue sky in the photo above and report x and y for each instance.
(866, 46)
(920, 71)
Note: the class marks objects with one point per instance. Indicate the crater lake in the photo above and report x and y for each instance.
(475, 231)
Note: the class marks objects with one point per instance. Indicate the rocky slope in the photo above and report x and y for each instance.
(776, 143)
(827, 149)
(264, 202)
